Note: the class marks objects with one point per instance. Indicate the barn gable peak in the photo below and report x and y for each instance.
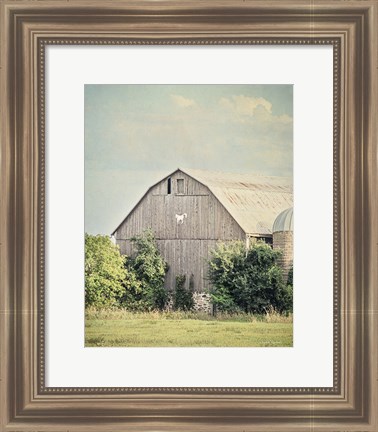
(253, 200)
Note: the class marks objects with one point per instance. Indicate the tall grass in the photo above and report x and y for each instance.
(121, 328)
(122, 314)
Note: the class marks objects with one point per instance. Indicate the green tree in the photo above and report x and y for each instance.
(133, 297)
(183, 298)
(225, 266)
(247, 280)
(105, 272)
(290, 276)
(289, 290)
(150, 269)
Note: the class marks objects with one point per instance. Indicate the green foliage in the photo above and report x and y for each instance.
(290, 276)
(113, 280)
(226, 262)
(247, 280)
(149, 269)
(105, 272)
(133, 298)
(289, 291)
(183, 298)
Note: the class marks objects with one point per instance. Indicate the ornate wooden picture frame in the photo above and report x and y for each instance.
(27, 27)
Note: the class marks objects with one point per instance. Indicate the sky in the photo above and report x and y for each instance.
(135, 135)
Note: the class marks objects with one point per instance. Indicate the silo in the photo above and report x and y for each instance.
(283, 238)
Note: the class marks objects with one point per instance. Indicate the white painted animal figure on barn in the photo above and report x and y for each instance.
(180, 218)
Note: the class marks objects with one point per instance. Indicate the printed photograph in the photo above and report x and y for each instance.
(189, 215)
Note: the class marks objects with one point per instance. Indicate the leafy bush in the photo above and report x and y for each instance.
(289, 289)
(105, 272)
(149, 268)
(227, 260)
(133, 297)
(114, 280)
(290, 276)
(183, 298)
(247, 280)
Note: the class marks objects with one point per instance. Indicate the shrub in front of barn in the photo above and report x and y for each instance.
(150, 269)
(247, 280)
(105, 272)
(289, 294)
(225, 267)
(133, 297)
(183, 298)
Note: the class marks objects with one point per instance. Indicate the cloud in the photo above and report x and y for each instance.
(183, 102)
(244, 105)
(284, 118)
(245, 109)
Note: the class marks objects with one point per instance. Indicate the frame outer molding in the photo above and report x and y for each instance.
(26, 405)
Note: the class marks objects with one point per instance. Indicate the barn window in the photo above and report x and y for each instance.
(169, 185)
(180, 186)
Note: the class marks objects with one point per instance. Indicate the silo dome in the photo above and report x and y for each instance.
(284, 221)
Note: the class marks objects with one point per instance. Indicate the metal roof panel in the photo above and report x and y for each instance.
(253, 200)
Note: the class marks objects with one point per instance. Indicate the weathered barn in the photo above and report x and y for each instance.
(189, 211)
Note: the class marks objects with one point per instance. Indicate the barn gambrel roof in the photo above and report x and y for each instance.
(253, 200)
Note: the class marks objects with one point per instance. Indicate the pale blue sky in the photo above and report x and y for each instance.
(137, 134)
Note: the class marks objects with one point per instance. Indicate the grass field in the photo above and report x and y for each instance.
(104, 328)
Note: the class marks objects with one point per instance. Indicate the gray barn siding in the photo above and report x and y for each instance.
(207, 218)
(183, 257)
(184, 246)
